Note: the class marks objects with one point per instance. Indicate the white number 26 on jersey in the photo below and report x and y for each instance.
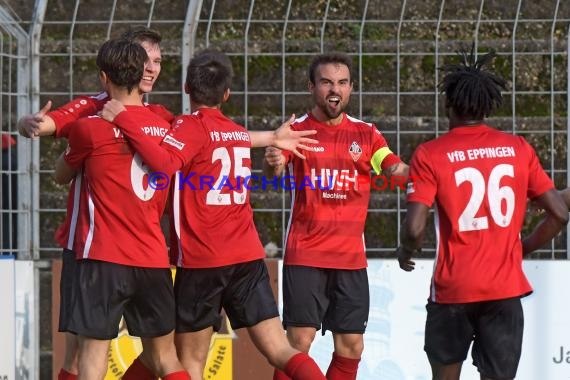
(495, 195)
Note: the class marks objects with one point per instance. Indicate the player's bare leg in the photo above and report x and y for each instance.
(348, 349)
(349, 345)
(193, 348)
(442, 371)
(70, 360)
(159, 354)
(269, 338)
(93, 356)
(301, 338)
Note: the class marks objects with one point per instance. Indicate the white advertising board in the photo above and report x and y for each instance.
(26, 331)
(394, 338)
(7, 356)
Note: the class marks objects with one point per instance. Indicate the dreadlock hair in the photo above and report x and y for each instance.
(470, 89)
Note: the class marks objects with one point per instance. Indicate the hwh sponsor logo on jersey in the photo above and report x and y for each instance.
(334, 179)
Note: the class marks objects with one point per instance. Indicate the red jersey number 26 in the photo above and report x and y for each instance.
(495, 194)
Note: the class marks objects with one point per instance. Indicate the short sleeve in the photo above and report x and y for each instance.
(422, 186)
(538, 181)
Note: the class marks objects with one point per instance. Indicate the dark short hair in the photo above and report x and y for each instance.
(140, 34)
(470, 89)
(326, 58)
(208, 76)
(123, 62)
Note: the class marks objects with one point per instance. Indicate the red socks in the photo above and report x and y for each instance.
(180, 375)
(64, 375)
(342, 368)
(138, 371)
(302, 367)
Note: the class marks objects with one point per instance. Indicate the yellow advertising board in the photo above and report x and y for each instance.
(125, 348)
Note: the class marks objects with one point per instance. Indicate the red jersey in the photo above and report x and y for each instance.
(119, 217)
(65, 233)
(211, 218)
(63, 118)
(480, 179)
(84, 106)
(329, 200)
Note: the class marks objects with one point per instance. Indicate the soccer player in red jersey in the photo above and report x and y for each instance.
(216, 246)
(57, 123)
(123, 265)
(479, 179)
(325, 283)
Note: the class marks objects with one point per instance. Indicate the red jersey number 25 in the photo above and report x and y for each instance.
(240, 172)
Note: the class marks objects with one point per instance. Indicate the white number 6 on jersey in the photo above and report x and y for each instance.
(138, 172)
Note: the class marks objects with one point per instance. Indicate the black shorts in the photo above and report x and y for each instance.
(495, 327)
(337, 299)
(66, 288)
(243, 290)
(104, 291)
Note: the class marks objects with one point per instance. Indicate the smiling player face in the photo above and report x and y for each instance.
(331, 91)
(151, 67)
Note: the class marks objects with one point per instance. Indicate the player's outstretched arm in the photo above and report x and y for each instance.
(37, 124)
(412, 234)
(555, 219)
(399, 169)
(284, 137)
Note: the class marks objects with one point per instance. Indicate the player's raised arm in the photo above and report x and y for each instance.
(37, 124)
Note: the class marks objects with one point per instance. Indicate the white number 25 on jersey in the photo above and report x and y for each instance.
(495, 195)
(215, 196)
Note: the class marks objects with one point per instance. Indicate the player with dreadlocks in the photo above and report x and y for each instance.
(479, 179)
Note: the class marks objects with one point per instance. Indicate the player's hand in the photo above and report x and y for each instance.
(111, 109)
(288, 139)
(29, 125)
(273, 156)
(404, 259)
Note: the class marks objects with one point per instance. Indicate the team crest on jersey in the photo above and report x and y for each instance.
(355, 151)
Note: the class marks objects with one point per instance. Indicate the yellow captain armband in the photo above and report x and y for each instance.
(378, 157)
